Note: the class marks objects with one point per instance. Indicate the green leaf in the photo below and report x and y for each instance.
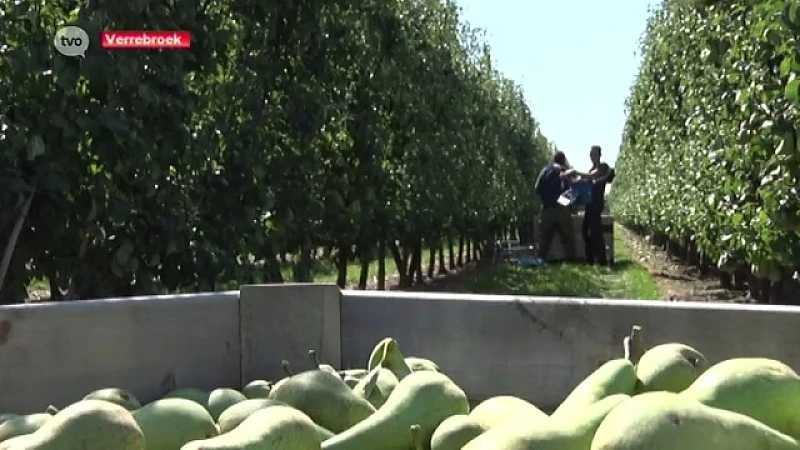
(124, 252)
(36, 147)
(792, 90)
(786, 66)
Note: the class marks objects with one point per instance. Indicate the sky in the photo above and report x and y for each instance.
(575, 61)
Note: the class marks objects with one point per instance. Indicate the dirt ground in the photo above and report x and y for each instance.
(677, 280)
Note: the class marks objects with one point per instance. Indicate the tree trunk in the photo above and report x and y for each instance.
(476, 249)
(56, 294)
(725, 280)
(302, 269)
(365, 256)
(702, 263)
(765, 288)
(432, 259)
(416, 260)
(272, 269)
(442, 267)
(341, 265)
(754, 287)
(451, 251)
(14, 289)
(739, 279)
(776, 292)
(400, 262)
(382, 264)
(460, 250)
(419, 277)
(468, 243)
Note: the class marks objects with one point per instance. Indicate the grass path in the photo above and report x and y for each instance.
(626, 280)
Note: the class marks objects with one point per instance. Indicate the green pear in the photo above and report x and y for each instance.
(352, 382)
(118, 396)
(325, 398)
(16, 442)
(237, 414)
(669, 421)
(502, 409)
(198, 396)
(423, 398)
(9, 416)
(351, 377)
(316, 363)
(286, 370)
(388, 352)
(617, 376)
(455, 432)
(88, 425)
(257, 389)
(377, 386)
(223, 398)
(416, 364)
(355, 373)
(273, 428)
(169, 423)
(765, 389)
(566, 433)
(26, 424)
(669, 367)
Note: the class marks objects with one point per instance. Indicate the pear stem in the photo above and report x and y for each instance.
(634, 344)
(314, 358)
(416, 434)
(286, 369)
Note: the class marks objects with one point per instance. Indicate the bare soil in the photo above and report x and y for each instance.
(678, 280)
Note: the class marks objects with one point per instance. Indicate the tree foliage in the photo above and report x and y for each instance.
(711, 152)
(286, 127)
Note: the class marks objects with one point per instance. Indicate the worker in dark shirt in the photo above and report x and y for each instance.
(594, 242)
(555, 218)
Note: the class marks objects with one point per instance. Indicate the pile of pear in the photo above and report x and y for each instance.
(667, 397)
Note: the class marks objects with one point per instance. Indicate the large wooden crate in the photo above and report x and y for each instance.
(556, 252)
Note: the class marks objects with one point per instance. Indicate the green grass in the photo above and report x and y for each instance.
(626, 280)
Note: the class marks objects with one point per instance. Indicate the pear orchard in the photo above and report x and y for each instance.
(667, 397)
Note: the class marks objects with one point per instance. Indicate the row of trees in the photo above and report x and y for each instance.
(371, 127)
(710, 159)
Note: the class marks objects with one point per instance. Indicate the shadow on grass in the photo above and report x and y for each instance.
(623, 265)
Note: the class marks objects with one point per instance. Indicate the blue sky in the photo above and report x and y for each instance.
(575, 60)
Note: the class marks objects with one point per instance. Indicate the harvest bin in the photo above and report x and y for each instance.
(534, 348)
(557, 247)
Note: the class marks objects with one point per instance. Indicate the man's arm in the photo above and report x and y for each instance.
(597, 174)
(538, 186)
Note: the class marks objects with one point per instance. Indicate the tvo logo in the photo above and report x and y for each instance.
(72, 41)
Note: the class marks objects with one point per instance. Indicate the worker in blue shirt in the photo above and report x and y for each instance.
(555, 218)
